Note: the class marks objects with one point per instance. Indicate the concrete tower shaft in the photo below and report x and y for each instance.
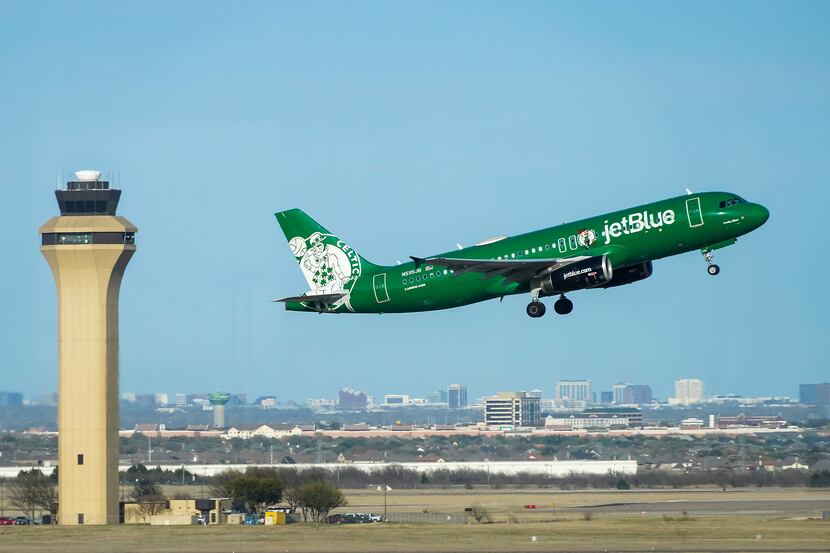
(88, 248)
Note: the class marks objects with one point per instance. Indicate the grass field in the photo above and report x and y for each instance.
(553, 529)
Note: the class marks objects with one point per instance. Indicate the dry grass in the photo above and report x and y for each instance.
(553, 531)
(619, 533)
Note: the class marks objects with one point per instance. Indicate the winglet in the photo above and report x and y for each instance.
(418, 261)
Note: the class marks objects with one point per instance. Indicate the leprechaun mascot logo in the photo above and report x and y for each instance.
(329, 265)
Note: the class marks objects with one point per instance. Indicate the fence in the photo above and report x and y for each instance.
(437, 518)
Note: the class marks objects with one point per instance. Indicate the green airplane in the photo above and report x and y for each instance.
(598, 252)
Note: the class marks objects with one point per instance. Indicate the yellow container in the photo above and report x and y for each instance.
(274, 518)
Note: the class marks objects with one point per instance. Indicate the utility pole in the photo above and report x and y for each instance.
(272, 454)
(149, 450)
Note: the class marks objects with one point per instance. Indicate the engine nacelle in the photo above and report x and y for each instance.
(627, 275)
(588, 273)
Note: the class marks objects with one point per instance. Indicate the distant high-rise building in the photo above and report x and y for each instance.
(49, 399)
(814, 394)
(396, 399)
(238, 399)
(162, 399)
(574, 390)
(512, 409)
(11, 399)
(637, 394)
(457, 396)
(436, 396)
(321, 404)
(351, 400)
(145, 400)
(619, 391)
(535, 393)
(688, 391)
(181, 400)
(266, 402)
(606, 397)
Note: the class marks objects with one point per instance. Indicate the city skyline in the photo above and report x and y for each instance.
(615, 393)
(523, 117)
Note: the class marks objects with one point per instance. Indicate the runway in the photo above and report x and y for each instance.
(713, 507)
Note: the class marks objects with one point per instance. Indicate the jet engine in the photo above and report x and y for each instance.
(627, 275)
(588, 273)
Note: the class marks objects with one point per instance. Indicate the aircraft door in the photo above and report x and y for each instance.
(379, 286)
(694, 213)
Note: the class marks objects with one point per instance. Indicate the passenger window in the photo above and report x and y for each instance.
(547, 247)
(572, 242)
(562, 246)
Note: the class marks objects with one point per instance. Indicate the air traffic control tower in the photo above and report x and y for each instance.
(88, 247)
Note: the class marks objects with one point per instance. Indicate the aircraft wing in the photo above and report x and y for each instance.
(513, 270)
(325, 299)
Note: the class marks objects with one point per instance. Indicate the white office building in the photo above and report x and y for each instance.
(687, 391)
(619, 392)
(574, 392)
(512, 409)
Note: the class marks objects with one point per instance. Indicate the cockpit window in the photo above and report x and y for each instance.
(732, 201)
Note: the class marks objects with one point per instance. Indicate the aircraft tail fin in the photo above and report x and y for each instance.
(328, 264)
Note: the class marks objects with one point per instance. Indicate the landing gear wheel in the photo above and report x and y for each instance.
(535, 309)
(563, 306)
(713, 269)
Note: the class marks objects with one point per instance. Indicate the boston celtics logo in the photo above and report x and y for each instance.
(586, 237)
(329, 265)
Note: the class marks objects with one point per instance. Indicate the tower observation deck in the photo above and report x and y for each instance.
(88, 247)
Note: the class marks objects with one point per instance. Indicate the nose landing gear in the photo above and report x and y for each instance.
(536, 309)
(712, 269)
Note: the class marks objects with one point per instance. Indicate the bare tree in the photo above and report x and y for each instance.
(319, 498)
(480, 514)
(150, 499)
(33, 490)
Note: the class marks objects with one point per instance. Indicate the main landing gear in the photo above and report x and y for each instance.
(562, 306)
(712, 269)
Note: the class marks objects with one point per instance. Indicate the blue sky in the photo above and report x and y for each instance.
(406, 128)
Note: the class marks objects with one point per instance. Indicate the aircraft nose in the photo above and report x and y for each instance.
(758, 214)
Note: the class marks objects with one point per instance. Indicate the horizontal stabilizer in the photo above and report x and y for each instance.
(325, 299)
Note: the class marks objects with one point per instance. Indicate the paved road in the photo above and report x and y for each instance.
(713, 507)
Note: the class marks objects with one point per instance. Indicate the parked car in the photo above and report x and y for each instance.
(6, 521)
(334, 519)
(353, 518)
(22, 521)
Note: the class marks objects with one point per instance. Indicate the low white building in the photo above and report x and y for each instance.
(267, 431)
(582, 422)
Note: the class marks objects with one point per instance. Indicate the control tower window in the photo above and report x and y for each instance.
(80, 458)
